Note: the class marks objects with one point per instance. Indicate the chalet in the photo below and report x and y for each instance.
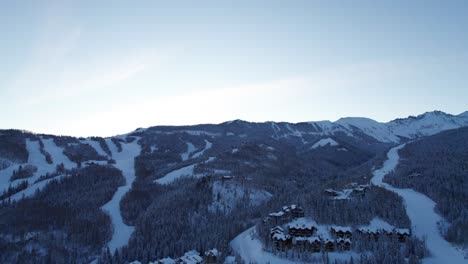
(227, 178)
(296, 211)
(329, 245)
(191, 257)
(310, 243)
(282, 242)
(341, 231)
(277, 217)
(276, 230)
(166, 261)
(331, 192)
(403, 234)
(371, 233)
(305, 229)
(360, 190)
(211, 256)
(344, 243)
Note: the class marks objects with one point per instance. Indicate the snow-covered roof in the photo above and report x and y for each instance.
(403, 231)
(341, 228)
(302, 223)
(344, 240)
(281, 213)
(191, 257)
(283, 237)
(308, 239)
(167, 261)
(214, 252)
(376, 226)
(279, 228)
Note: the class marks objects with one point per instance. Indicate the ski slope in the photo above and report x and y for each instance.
(190, 149)
(95, 145)
(324, 142)
(208, 145)
(183, 172)
(36, 158)
(56, 153)
(420, 210)
(125, 161)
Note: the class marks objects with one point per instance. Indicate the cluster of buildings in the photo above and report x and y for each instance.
(291, 230)
(288, 213)
(373, 233)
(354, 190)
(304, 236)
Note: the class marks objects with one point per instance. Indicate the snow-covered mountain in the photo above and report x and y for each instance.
(165, 190)
(397, 130)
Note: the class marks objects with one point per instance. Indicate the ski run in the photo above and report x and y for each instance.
(420, 210)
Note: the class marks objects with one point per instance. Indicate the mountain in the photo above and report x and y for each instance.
(163, 191)
(395, 131)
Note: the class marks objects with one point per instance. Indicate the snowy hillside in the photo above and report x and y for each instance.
(158, 192)
(427, 124)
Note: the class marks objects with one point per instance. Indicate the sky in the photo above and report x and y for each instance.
(101, 68)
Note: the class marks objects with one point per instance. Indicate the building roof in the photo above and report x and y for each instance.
(341, 228)
(281, 213)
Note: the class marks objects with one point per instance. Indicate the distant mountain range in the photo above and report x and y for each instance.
(395, 131)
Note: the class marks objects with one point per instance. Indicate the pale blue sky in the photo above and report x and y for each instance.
(107, 67)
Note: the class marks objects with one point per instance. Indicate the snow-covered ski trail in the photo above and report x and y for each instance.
(125, 161)
(420, 210)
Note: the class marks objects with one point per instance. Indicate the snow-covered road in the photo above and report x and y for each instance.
(420, 210)
(125, 161)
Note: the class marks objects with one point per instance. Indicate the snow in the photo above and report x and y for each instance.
(227, 195)
(5, 175)
(275, 127)
(295, 133)
(31, 190)
(343, 195)
(377, 224)
(57, 153)
(96, 146)
(250, 249)
(372, 128)
(429, 123)
(190, 132)
(230, 260)
(125, 161)
(186, 171)
(37, 159)
(166, 261)
(324, 142)
(208, 145)
(191, 257)
(420, 210)
(176, 174)
(190, 149)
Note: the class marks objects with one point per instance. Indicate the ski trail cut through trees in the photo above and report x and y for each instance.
(420, 210)
(124, 161)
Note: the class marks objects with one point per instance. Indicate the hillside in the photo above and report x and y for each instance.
(163, 191)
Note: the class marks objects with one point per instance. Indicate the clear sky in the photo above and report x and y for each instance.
(107, 67)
